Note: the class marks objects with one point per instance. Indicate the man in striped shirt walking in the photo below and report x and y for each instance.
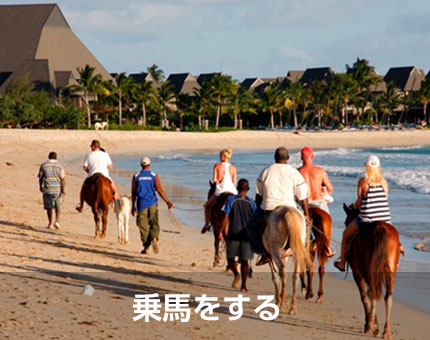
(52, 185)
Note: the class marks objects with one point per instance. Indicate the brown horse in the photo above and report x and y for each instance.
(97, 193)
(373, 256)
(219, 222)
(322, 229)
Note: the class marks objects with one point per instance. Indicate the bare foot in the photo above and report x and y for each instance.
(244, 290)
(236, 281)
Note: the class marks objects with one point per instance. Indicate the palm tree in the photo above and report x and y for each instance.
(365, 76)
(294, 96)
(144, 94)
(204, 102)
(345, 89)
(270, 100)
(221, 86)
(156, 73)
(89, 84)
(241, 100)
(123, 85)
(424, 96)
(387, 101)
(165, 96)
(184, 106)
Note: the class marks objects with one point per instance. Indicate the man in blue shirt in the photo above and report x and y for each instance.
(239, 209)
(144, 186)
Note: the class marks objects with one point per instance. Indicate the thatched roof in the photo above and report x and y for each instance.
(184, 83)
(319, 73)
(206, 77)
(31, 33)
(406, 78)
(252, 83)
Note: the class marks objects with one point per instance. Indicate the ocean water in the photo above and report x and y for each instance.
(407, 170)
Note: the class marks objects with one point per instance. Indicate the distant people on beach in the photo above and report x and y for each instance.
(144, 188)
(52, 184)
(239, 209)
(225, 177)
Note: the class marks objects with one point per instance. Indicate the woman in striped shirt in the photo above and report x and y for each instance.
(372, 200)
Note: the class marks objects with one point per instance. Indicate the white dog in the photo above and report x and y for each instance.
(101, 125)
(123, 210)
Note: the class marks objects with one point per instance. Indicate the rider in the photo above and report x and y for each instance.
(372, 200)
(278, 185)
(97, 161)
(225, 178)
(320, 187)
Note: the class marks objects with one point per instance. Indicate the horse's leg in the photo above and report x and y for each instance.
(388, 303)
(96, 221)
(321, 271)
(361, 284)
(373, 321)
(303, 283)
(293, 310)
(126, 226)
(120, 228)
(216, 245)
(276, 283)
(310, 293)
(104, 221)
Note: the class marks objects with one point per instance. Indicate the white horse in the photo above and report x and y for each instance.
(285, 236)
(122, 210)
(101, 125)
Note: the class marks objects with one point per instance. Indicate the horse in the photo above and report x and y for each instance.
(285, 235)
(322, 229)
(219, 221)
(122, 211)
(97, 193)
(373, 257)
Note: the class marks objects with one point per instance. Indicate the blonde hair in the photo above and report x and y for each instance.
(225, 154)
(373, 176)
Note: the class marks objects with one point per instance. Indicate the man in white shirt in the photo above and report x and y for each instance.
(97, 161)
(278, 185)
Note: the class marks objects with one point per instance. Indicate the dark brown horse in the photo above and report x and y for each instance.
(97, 193)
(320, 246)
(219, 222)
(373, 257)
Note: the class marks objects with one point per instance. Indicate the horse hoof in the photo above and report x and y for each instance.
(304, 292)
(309, 296)
(103, 235)
(387, 335)
(292, 311)
(320, 300)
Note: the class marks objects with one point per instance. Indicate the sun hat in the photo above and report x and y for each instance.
(145, 161)
(372, 161)
(307, 152)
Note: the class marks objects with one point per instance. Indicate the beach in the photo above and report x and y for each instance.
(44, 271)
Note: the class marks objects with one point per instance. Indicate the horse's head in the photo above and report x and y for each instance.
(351, 213)
(212, 188)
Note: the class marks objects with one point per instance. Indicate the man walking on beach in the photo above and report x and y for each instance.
(144, 187)
(320, 187)
(279, 184)
(97, 161)
(52, 185)
(239, 209)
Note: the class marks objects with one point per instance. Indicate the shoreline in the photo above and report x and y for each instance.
(53, 266)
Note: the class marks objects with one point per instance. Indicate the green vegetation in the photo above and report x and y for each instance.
(353, 97)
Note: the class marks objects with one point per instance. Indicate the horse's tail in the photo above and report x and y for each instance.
(299, 250)
(379, 267)
(321, 238)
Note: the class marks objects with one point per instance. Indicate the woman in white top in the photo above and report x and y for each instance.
(225, 178)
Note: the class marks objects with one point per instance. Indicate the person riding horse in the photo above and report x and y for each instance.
(320, 187)
(97, 161)
(225, 178)
(278, 185)
(372, 200)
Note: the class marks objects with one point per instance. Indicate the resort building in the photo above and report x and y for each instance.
(36, 41)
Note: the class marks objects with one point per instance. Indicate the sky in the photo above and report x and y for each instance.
(250, 38)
